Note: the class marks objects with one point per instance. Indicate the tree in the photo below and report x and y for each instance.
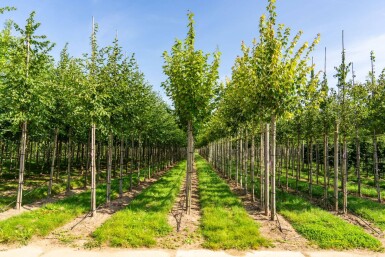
(190, 84)
(28, 65)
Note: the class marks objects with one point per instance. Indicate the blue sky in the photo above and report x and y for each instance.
(147, 28)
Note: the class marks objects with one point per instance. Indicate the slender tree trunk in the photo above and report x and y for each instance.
(139, 158)
(121, 168)
(298, 163)
(237, 157)
(1, 156)
(93, 171)
(241, 159)
(252, 166)
(267, 167)
(53, 162)
(375, 160)
(190, 159)
(326, 167)
(345, 177)
(23, 146)
(287, 161)
(317, 161)
(261, 168)
(69, 159)
(336, 168)
(358, 164)
(273, 154)
(132, 161)
(246, 149)
(109, 166)
(311, 168)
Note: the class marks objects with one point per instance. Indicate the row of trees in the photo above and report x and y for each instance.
(275, 80)
(72, 101)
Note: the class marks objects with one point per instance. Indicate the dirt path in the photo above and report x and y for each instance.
(36, 205)
(185, 226)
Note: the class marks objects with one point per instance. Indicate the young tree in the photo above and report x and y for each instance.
(190, 84)
(28, 65)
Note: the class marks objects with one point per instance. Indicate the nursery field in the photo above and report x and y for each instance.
(276, 154)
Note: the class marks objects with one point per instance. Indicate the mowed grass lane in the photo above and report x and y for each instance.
(21, 228)
(225, 224)
(146, 217)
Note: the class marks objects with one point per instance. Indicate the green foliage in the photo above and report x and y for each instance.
(225, 223)
(145, 218)
(191, 79)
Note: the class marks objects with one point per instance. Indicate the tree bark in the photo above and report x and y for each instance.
(358, 164)
(375, 160)
(267, 167)
(121, 168)
(190, 159)
(336, 168)
(252, 165)
(93, 171)
(53, 162)
(326, 168)
(69, 159)
(109, 166)
(273, 154)
(345, 177)
(23, 146)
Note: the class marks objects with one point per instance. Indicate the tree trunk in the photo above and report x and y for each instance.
(23, 146)
(121, 168)
(344, 177)
(109, 166)
(267, 167)
(336, 168)
(53, 162)
(132, 161)
(252, 165)
(69, 159)
(326, 168)
(261, 167)
(375, 160)
(190, 158)
(246, 148)
(311, 168)
(273, 154)
(358, 164)
(93, 171)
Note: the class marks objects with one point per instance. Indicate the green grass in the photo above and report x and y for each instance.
(145, 218)
(225, 224)
(365, 208)
(367, 184)
(21, 228)
(323, 228)
(35, 193)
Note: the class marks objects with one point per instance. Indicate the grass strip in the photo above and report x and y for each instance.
(20, 229)
(365, 208)
(323, 228)
(225, 224)
(146, 217)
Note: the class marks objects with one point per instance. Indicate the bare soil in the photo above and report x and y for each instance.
(185, 233)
